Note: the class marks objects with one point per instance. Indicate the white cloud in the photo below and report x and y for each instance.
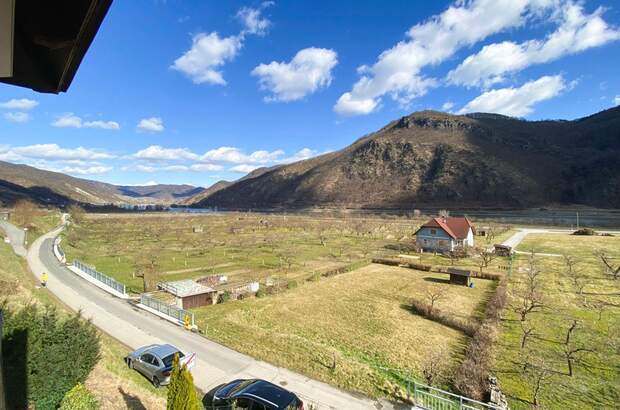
(397, 72)
(19, 104)
(576, 32)
(235, 155)
(19, 117)
(447, 106)
(517, 102)
(617, 100)
(94, 170)
(307, 72)
(304, 153)
(244, 168)
(157, 152)
(54, 151)
(206, 167)
(152, 124)
(208, 53)
(252, 20)
(202, 63)
(70, 120)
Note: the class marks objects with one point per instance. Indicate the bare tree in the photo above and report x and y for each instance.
(485, 257)
(612, 268)
(434, 368)
(573, 352)
(532, 298)
(77, 214)
(527, 331)
(434, 296)
(147, 268)
(24, 212)
(540, 377)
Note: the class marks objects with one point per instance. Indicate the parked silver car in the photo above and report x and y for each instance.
(155, 362)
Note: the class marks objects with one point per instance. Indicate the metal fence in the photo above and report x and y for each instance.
(432, 398)
(59, 248)
(169, 310)
(119, 287)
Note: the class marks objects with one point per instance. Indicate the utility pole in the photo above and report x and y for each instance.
(577, 219)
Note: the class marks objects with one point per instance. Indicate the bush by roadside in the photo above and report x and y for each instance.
(46, 355)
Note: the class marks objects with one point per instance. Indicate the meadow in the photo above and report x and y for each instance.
(242, 246)
(532, 356)
(344, 328)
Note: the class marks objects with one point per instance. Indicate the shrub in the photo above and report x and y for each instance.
(224, 297)
(472, 375)
(585, 232)
(486, 275)
(424, 309)
(181, 391)
(314, 277)
(79, 398)
(292, 284)
(60, 353)
(260, 293)
(418, 266)
(385, 261)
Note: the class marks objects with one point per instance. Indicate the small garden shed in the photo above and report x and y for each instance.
(460, 276)
(190, 294)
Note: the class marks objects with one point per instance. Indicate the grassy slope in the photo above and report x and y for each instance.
(42, 223)
(596, 381)
(359, 317)
(110, 375)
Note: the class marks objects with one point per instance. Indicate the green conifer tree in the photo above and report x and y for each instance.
(181, 391)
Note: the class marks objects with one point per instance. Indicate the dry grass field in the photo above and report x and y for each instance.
(358, 320)
(584, 295)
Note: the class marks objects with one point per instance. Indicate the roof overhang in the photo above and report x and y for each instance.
(42, 43)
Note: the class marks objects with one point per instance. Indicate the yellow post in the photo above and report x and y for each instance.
(187, 322)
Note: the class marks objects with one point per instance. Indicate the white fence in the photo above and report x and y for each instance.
(105, 279)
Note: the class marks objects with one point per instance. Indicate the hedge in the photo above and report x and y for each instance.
(45, 355)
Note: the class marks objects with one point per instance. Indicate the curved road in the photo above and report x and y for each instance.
(134, 327)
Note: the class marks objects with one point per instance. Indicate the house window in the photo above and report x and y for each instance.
(425, 240)
(433, 231)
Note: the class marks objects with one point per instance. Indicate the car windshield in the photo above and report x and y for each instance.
(168, 359)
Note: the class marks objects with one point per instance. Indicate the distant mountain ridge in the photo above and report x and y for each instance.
(436, 159)
(47, 187)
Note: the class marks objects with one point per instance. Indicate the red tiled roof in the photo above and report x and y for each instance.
(457, 227)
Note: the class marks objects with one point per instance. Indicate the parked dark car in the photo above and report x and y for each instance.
(252, 394)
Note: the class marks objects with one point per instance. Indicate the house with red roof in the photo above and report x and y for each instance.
(445, 233)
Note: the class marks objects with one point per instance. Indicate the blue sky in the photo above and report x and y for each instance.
(197, 91)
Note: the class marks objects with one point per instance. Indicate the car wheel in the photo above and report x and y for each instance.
(156, 382)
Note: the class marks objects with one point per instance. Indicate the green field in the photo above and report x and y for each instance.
(243, 246)
(595, 382)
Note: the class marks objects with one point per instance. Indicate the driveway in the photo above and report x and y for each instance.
(16, 235)
(216, 364)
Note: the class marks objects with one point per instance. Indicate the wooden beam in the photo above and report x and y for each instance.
(7, 28)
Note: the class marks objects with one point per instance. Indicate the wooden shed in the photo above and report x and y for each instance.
(190, 294)
(460, 276)
(502, 250)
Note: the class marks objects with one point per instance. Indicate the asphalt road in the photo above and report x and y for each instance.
(215, 365)
(16, 235)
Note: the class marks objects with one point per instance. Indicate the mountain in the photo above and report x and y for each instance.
(26, 182)
(206, 192)
(436, 159)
